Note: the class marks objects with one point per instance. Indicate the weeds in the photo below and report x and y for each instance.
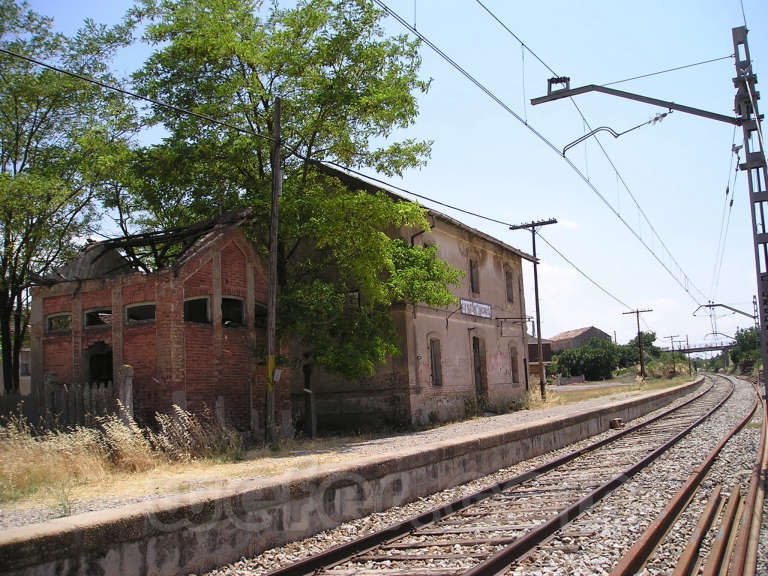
(54, 461)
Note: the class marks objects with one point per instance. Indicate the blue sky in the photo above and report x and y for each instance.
(486, 161)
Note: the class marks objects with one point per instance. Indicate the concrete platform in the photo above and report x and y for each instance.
(198, 531)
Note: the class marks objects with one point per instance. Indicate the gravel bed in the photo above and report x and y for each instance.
(614, 524)
(294, 551)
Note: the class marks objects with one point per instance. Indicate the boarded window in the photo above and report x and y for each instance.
(58, 322)
(196, 310)
(98, 317)
(510, 285)
(435, 362)
(232, 311)
(140, 313)
(474, 276)
(513, 365)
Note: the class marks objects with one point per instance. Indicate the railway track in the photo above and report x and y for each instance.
(487, 531)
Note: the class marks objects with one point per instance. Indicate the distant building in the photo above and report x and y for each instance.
(533, 357)
(192, 329)
(576, 338)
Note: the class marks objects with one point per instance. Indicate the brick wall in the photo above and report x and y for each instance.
(193, 363)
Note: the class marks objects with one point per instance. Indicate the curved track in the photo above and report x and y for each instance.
(483, 533)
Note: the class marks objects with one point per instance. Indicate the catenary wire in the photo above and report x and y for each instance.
(720, 241)
(605, 153)
(206, 118)
(675, 69)
(725, 234)
(541, 137)
(580, 271)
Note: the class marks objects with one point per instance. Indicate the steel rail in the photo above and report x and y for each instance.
(718, 553)
(365, 543)
(687, 559)
(748, 535)
(502, 559)
(641, 551)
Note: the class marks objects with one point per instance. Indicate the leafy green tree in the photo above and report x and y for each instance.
(345, 88)
(746, 350)
(629, 353)
(596, 360)
(52, 131)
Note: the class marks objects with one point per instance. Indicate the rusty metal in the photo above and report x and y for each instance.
(748, 535)
(721, 542)
(690, 554)
(639, 553)
(558, 94)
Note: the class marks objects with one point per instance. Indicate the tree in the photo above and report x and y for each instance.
(746, 349)
(629, 353)
(345, 88)
(596, 360)
(52, 131)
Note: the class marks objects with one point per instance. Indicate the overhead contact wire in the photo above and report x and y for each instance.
(602, 148)
(539, 135)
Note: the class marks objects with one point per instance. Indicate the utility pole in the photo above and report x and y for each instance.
(270, 425)
(672, 349)
(532, 227)
(640, 338)
(745, 105)
(688, 353)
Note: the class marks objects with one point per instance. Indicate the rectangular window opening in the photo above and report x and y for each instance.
(513, 360)
(58, 322)
(474, 277)
(98, 317)
(510, 286)
(435, 362)
(232, 312)
(196, 310)
(140, 313)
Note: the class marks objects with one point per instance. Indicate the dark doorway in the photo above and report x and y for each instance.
(99, 362)
(478, 361)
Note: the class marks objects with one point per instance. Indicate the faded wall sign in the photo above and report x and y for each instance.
(471, 308)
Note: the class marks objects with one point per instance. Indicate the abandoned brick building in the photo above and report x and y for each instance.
(192, 329)
(452, 360)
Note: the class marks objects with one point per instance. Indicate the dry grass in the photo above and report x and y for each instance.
(561, 397)
(120, 460)
(54, 462)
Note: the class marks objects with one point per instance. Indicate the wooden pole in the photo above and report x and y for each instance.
(271, 430)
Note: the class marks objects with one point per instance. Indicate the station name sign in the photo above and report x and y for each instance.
(471, 308)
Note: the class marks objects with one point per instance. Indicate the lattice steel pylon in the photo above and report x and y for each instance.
(745, 105)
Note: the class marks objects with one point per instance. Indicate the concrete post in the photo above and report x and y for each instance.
(125, 389)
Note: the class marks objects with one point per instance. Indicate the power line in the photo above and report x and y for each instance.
(135, 95)
(675, 69)
(248, 131)
(726, 211)
(607, 157)
(580, 271)
(546, 141)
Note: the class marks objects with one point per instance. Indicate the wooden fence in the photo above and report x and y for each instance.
(64, 405)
